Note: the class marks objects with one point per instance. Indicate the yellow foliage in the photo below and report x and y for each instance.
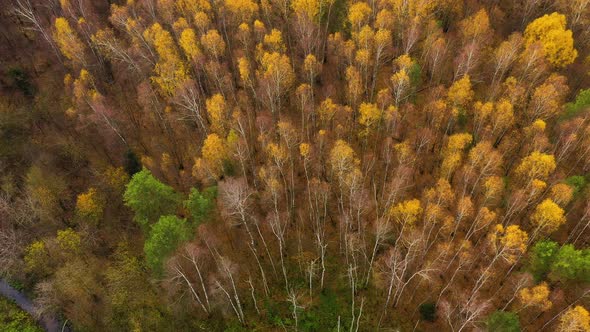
(217, 112)
(557, 42)
(460, 93)
(406, 212)
(364, 38)
(69, 241)
(180, 25)
(358, 14)
(561, 194)
(311, 65)
(213, 43)
(327, 110)
(370, 116)
(475, 26)
(355, 87)
(89, 205)
(404, 62)
(215, 153)
(536, 166)
(342, 159)
(576, 319)
(274, 41)
(201, 20)
(503, 117)
(458, 142)
(304, 149)
(548, 216)
(171, 71)
(308, 8)
(186, 7)
(453, 153)
(385, 19)
(244, 10)
(539, 125)
(537, 296)
(511, 241)
(116, 178)
(162, 41)
(188, 42)
(277, 69)
(36, 256)
(244, 69)
(259, 26)
(363, 57)
(277, 153)
(67, 40)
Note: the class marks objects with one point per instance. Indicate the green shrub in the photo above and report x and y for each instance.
(428, 311)
(503, 321)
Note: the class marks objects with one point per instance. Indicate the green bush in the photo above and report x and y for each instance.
(503, 321)
(13, 319)
(582, 102)
(428, 311)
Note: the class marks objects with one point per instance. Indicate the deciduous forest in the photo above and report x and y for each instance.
(295, 165)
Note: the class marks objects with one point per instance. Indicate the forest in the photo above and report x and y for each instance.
(295, 165)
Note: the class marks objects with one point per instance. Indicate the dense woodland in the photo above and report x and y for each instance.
(302, 165)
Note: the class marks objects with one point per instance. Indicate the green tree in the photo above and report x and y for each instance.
(149, 198)
(582, 102)
(577, 182)
(541, 257)
(200, 204)
(571, 264)
(503, 321)
(165, 236)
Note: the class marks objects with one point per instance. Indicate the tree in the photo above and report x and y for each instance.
(547, 98)
(277, 77)
(407, 212)
(243, 10)
(547, 217)
(131, 298)
(453, 153)
(37, 258)
(201, 204)
(68, 42)
(170, 69)
(557, 42)
(218, 114)
(537, 165)
(149, 198)
(213, 43)
(575, 319)
(370, 118)
(69, 241)
(561, 194)
(164, 237)
(541, 258)
(342, 159)
(460, 93)
(570, 264)
(90, 206)
(503, 321)
(358, 15)
(536, 297)
(214, 155)
(188, 43)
